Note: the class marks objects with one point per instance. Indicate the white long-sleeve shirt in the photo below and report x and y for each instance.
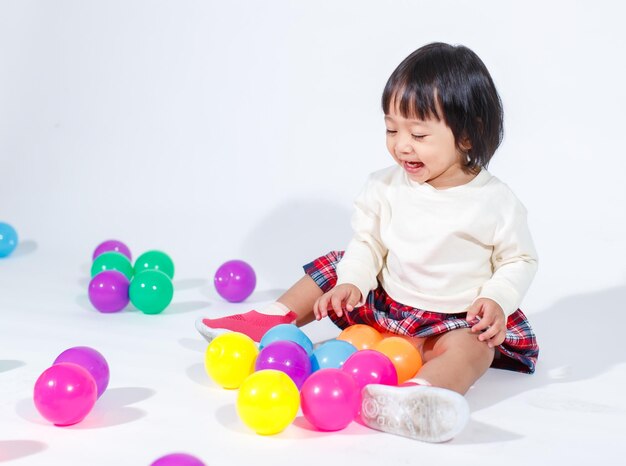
(439, 250)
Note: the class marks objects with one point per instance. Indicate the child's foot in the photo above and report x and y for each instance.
(253, 324)
(429, 414)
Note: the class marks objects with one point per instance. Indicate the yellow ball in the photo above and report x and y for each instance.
(230, 358)
(268, 401)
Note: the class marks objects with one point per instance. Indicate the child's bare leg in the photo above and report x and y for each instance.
(300, 299)
(455, 360)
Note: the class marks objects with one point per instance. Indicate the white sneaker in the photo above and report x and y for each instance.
(429, 414)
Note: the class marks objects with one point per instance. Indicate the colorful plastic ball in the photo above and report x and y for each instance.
(155, 260)
(91, 360)
(108, 291)
(268, 401)
(330, 399)
(235, 280)
(288, 357)
(289, 332)
(8, 239)
(331, 354)
(230, 358)
(151, 291)
(65, 393)
(177, 459)
(403, 354)
(361, 336)
(112, 245)
(112, 261)
(370, 366)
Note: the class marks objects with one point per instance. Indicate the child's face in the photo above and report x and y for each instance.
(426, 150)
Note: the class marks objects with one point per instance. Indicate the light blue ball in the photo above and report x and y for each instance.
(287, 332)
(8, 239)
(331, 354)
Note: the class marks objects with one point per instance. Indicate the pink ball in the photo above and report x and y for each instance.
(330, 399)
(235, 280)
(369, 366)
(65, 393)
(178, 459)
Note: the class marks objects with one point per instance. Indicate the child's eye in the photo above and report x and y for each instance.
(418, 136)
(390, 131)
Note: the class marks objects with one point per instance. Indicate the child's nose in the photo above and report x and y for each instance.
(403, 145)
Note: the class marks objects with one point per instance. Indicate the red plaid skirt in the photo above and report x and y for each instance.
(518, 352)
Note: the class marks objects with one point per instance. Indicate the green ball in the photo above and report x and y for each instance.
(155, 260)
(112, 261)
(151, 291)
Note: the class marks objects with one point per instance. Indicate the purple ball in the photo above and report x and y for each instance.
(108, 291)
(89, 359)
(112, 245)
(288, 357)
(178, 459)
(235, 280)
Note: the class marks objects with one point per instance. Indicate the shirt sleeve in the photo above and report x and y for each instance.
(364, 255)
(514, 262)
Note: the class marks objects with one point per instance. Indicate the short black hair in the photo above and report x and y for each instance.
(452, 83)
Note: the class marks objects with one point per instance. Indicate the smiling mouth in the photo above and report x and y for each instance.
(412, 166)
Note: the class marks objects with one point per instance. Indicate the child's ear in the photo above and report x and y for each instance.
(465, 144)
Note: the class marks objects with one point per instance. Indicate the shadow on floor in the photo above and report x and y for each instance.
(580, 337)
(7, 365)
(15, 449)
(111, 409)
(293, 234)
(24, 248)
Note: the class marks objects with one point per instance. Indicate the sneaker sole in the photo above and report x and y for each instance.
(429, 414)
(208, 333)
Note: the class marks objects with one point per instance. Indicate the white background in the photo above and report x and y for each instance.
(242, 129)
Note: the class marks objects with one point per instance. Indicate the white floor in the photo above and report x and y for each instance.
(159, 400)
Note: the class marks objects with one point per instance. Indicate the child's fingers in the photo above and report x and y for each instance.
(497, 339)
(322, 307)
(353, 299)
(482, 325)
(489, 333)
(337, 304)
(316, 309)
(472, 312)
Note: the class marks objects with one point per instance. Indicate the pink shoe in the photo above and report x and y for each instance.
(250, 323)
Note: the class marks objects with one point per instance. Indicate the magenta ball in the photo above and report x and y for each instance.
(288, 357)
(330, 399)
(108, 291)
(235, 280)
(111, 245)
(65, 393)
(91, 360)
(369, 366)
(177, 459)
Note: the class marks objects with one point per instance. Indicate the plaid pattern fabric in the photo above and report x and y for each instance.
(518, 352)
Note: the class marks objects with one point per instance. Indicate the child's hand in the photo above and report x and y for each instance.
(340, 298)
(492, 321)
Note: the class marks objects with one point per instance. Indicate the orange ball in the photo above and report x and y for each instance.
(404, 356)
(361, 336)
